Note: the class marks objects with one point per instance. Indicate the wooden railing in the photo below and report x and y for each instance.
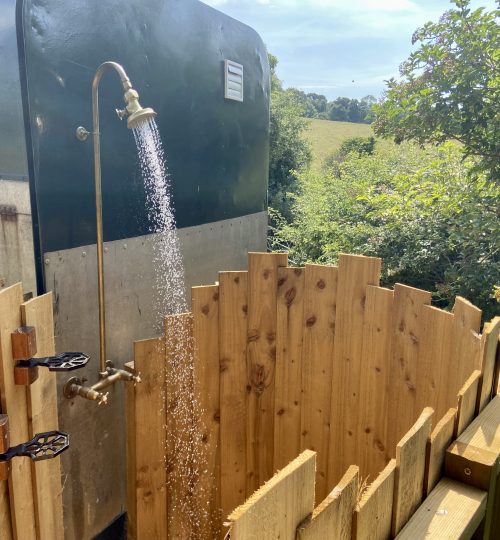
(288, 359)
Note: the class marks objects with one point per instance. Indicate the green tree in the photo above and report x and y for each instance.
(450, 86)
(289, 151)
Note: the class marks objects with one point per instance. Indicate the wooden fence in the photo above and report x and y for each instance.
(31, 499)
(286, 359)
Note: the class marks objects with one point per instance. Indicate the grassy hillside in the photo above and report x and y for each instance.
(326, 136)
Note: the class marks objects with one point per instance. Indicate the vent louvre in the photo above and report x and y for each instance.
(233, 80)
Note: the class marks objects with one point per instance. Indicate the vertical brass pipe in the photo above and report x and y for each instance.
(98, 201)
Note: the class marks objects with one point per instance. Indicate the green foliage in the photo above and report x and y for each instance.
(434, 224)
(289, 151)
(359, 145)
(344, 109)
(450, 87)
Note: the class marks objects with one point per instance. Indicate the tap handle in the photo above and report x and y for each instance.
(66, 361)
(42, 446)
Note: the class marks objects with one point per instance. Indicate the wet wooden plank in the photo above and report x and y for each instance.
(333, 517)
(317, 365)
(410, 469)
(374, 453)
(14, 404)
(355, 273)
(261, 360)
(43, 416)
(205, 308)
(233, 302)
(131, 458)
(288, 396)
(280, 505)
(373, 513)
(467, 399)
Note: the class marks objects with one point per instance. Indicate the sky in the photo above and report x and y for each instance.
(337, 47)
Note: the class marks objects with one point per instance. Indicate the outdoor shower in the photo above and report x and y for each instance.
(136, 114)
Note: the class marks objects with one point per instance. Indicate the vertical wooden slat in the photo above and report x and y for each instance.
(233, 302)
(374, 453)
(354, 275)
(435, 361)
(261, 360)
(489, 342)
(467, 399)
(464, 346)
(288, 365)
(205, 307)
(373, 514)
(317, 361)
(131, 458)
(279, 506)
(181, 432)
(149, 418)
(410, 469)
(42, 407)
(14, 404)
(333, 517)
(440, 439)
(405, 355)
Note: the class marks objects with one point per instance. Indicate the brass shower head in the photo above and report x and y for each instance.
(136, 113)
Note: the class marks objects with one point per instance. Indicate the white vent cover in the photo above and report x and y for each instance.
(233, 77)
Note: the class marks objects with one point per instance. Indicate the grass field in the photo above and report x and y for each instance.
(326, 136)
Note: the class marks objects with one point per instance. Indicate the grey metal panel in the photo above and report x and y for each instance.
(13, 164)
(94, 468)
(173, 51)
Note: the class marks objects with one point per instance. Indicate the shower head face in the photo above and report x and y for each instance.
(139, 116)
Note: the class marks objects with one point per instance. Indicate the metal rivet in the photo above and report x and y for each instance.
(47, 261)
(467, 471)
(84, 253)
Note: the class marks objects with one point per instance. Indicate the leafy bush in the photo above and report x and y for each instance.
(434, 224)
(358, 145)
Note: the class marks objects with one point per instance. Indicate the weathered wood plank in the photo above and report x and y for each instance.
(205, 308)
(440, 439)
(261, 360)
(375, 384)
(131, 457)
(181, 430)
(410, 469)
(405, 356)
(435, 361)
(149, 418)
(355, 273)
(467, 399)
(317, 362)
(280, 505)
(233, 302)
(333, 517)
(489, 344)
(288, 365)
(452, 511)
(14, 404)
(42, 411)
(373, 514)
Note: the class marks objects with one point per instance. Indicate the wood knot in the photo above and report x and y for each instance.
(266, 273)
(217, 415)
(205, 309)
(290, 296)
(281, 281)
(244, 308)
(236, 279)
(253, 335)
(297, 271)
(321, 284)
(379, 445)
(280, 412)
(311, 321)
(271, 337)
(368, 430)
(215, 297)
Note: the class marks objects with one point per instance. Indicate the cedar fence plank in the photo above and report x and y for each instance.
(42, 407)
(373, 513)
(333, 517)
(14, 404)
(288, 365)
(375, 384)
(317, 364)
(410, 469)
(151, 477)
(467, 399)
(181, 430)
(233, 302)
(355, 273)
(435, 361)
(205, 308)
(405, 356)
(441, 437)
(279, 506)
(452, 511)
(491, 333)
(261, 360)
(131, 457)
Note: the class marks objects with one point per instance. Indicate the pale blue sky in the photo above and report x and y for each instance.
(325, 45)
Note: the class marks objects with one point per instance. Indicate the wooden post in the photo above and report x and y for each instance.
(4, 446)
(467, 398)
(489, 342)
(24, 348)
